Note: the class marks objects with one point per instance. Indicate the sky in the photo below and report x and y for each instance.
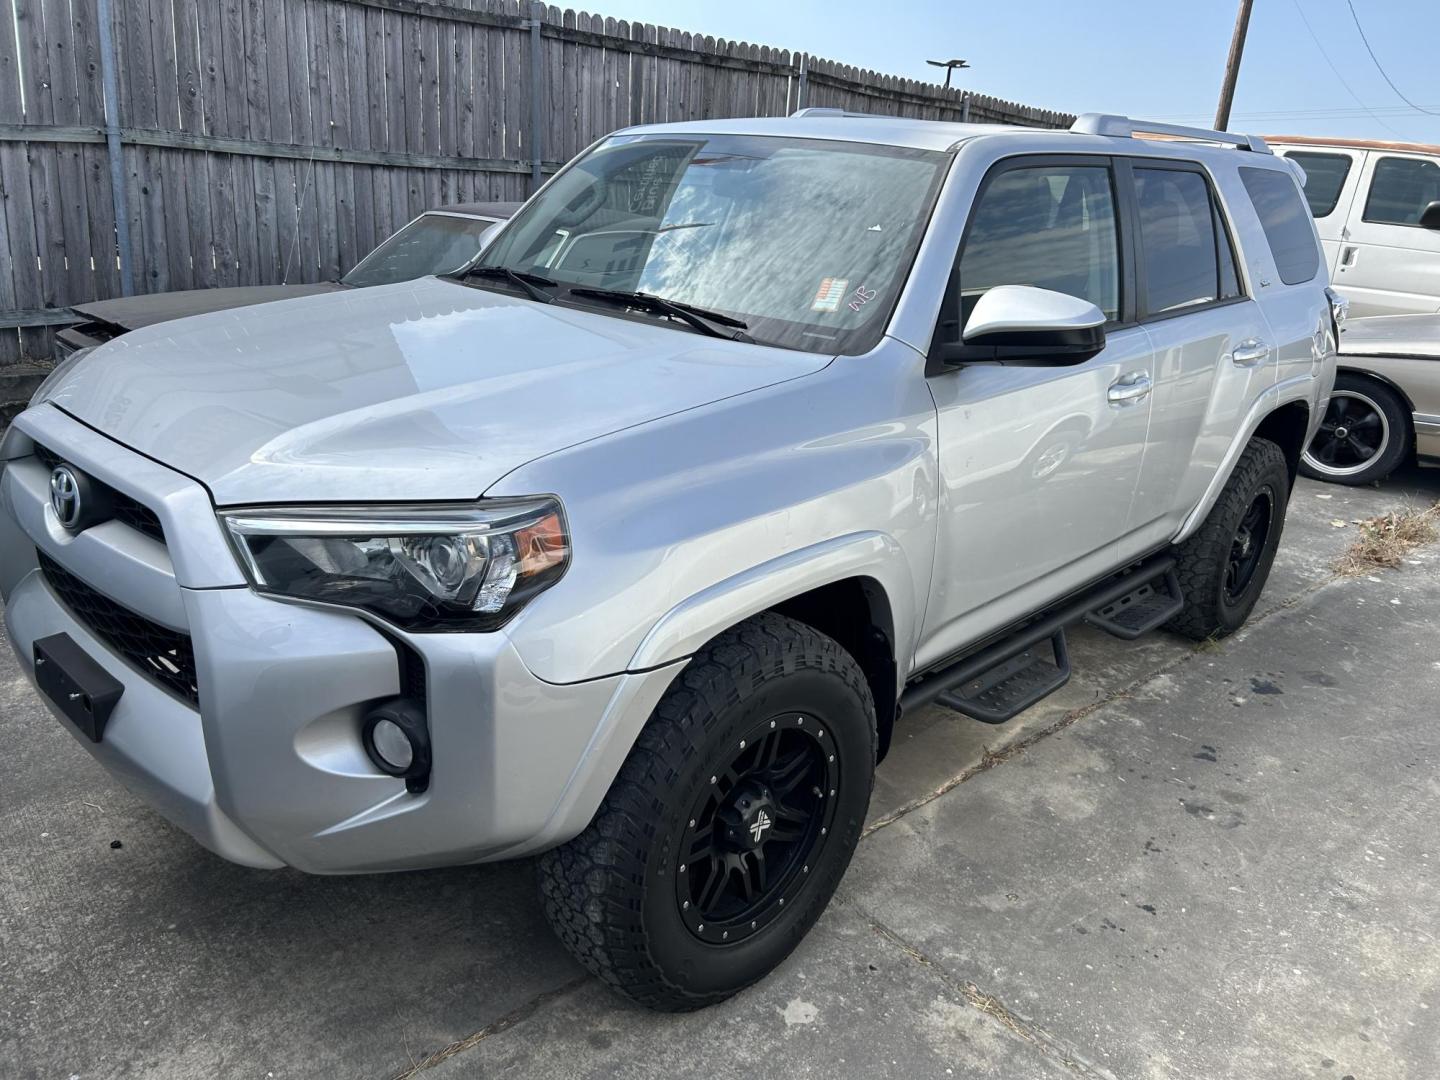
(1161, 59)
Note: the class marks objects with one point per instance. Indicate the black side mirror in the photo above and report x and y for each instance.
(1430, 216)
(1020, 324)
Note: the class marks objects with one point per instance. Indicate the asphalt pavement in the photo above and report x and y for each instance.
(1191, 863)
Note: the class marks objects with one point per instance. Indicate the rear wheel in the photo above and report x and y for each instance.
(730, 824)
(1365, 433)
(1223, 567)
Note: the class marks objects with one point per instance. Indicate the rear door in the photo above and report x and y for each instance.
(1388, 263)
(1213, 349)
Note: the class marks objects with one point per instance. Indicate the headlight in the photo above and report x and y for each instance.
(466, 567)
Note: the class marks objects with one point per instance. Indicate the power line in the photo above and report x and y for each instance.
(1379, 67)
(1348, 89)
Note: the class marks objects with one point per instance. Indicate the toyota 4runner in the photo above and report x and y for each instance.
(631, 543)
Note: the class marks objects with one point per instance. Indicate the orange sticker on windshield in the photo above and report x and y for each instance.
(830, 293)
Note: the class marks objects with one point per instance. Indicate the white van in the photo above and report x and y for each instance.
(1377, 207)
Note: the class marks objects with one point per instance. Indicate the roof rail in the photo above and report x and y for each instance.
(817, 110)
(1122, 127)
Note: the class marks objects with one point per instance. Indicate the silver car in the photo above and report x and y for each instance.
(1385, 409)
(631, 543)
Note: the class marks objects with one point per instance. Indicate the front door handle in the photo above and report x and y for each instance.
(1130, 390)
(1249, 353)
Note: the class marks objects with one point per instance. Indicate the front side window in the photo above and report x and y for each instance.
(1324, 177)
(1285, 219)
(1180, 241)
(1051, 226)
(806, 241)
(431, 244)
(1401, 189)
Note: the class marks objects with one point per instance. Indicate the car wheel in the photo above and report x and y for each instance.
(730, 824)
(1223, 567)
(1365, 434)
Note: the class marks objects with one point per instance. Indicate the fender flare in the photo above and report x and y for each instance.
(1301, 388)
(686, 627)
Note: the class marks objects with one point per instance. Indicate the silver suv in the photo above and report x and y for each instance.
(631, 543)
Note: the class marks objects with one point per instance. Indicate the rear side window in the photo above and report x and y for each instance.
(1187, 257)
(1052, 226)
(1286, 221)
(1400, 189)
(1324, 177)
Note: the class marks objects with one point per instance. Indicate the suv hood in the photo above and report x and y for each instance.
(426, 390)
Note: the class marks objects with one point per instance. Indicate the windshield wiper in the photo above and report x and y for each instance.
(528, 283)
(707, 322)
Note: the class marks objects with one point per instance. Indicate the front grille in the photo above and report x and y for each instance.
(128, 511)
(162, 654)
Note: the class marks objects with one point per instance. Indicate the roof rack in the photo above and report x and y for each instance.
(817, 110)
(1122, 127)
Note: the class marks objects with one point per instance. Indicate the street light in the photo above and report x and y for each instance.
(949, 66)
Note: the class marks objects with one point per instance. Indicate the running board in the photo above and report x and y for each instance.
(1011, 674)
(1148, 606)
(1012, 686)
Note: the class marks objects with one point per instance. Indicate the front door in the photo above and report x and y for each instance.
(1038, 464)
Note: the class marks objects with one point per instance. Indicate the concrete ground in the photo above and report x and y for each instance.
(1190, 862)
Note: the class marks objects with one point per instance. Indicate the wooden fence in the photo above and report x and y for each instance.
(260, 141)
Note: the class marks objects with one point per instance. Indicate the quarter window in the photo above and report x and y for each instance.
(1324, 177)
(1286, 221)
(1051, 226)
(1180, 241)
(1400, 189)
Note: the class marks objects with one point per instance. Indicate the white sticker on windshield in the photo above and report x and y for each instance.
(830, 293)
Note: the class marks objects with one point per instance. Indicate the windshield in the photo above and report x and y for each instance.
(807, 241)
(431, 244)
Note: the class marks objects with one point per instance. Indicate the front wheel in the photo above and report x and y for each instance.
(730, 824)
(1364, 435)
(1223, 567)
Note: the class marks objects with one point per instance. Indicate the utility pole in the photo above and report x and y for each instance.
(1232, 66)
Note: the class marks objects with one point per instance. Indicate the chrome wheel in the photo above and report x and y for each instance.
(1354, 433)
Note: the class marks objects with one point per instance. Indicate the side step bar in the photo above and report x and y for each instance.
(1004, 679)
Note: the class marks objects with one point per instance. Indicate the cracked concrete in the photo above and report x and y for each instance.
(1187, 863)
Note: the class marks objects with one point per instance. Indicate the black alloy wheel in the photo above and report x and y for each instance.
(1249, 544)
(1365, 433)
(752, 835)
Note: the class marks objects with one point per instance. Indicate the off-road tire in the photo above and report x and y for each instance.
(1391, 423)
(610, 893)
(1201, 561)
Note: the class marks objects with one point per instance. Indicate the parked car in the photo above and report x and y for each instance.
(1377, 206)
(437, 241)
(1385, 407)
(631, 544)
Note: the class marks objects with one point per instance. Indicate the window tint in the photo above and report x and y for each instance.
(1324, 177)
(1052, 226)
(1177, 237)
(1286, 221)
(1400, 189)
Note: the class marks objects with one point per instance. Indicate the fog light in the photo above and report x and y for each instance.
(398, 742)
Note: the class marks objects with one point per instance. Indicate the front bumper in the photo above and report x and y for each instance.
(269, 770)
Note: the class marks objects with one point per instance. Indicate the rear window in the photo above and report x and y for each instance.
(1324, 177)
(1286, 221)
(1187, 257)
(1401, 189)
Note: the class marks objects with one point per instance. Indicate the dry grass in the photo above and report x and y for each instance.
(1386, 540)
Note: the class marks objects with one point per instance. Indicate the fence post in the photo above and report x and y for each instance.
(537, 89)
(965, 107)
(801, 90)
(113, 149)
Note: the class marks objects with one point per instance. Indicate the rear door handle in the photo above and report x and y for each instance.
(1249, 353)
(1130, 390)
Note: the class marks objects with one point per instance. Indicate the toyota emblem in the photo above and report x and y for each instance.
(65, 496)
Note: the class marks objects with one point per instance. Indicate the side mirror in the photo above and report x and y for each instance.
(1023, 324)
(1430, 216)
